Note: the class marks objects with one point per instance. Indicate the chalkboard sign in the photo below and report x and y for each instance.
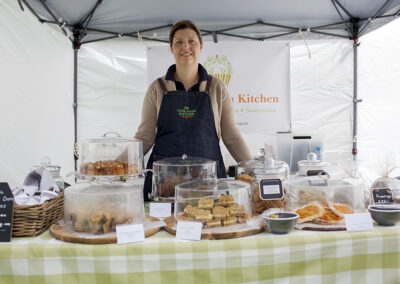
(271, 189)
(311, 173)
(6, 212)
(382, 196)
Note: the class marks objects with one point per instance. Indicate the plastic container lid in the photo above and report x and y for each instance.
(311, 161)
(54, 170)
(265, 166)
(184, 161)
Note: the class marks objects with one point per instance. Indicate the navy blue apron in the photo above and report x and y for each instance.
(185, 125)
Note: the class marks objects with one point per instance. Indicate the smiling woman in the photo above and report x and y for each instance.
(188, 111)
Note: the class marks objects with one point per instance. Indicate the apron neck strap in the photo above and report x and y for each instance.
(208, 86)
(160, 81)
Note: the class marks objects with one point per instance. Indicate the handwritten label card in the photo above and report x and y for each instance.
(189, 230)
(271, 189)
(358, 222)
(6, 212)
(160, 210)
(130, 233)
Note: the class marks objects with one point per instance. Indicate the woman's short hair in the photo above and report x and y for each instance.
(184, 24)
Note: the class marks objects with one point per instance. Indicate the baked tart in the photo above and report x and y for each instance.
(310, 212)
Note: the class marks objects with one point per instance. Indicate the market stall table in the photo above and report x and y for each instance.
(299, 257)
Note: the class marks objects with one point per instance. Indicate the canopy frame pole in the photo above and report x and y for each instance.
(32, 11)
(343, 8)
(373, 17)
(43, 2)
(355, 87)
(75, 105)
(150, 29)
(334, 2)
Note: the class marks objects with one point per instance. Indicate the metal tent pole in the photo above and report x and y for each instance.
(355, 100)
(75, 105)
(355, 86)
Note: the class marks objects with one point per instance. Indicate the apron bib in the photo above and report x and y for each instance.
(185, 125)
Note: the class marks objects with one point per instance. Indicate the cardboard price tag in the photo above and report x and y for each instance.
(160, 210)
(130, 233)
(189, 230)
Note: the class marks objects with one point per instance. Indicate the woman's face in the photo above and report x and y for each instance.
(186, 47)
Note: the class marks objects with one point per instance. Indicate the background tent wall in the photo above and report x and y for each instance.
(36, 76)
(17, 164)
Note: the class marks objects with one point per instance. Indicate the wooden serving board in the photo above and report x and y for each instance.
(170, 221)
(58, 232)
(323, 228)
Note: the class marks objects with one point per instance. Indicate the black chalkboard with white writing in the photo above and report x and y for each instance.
(382, 196)
(6, 212)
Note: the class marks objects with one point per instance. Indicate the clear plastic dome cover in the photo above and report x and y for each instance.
(98, 207)
(115, 156)
(167, 173)
(215, 203)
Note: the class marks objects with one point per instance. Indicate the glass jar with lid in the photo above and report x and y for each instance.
(111, 155)
(385, 190)
(268, 178)
(311, 166)
(171, 171)
(54, 170)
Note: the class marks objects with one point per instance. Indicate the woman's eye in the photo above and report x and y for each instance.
(179, 42)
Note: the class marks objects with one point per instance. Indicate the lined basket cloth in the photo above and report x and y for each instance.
(32, 220)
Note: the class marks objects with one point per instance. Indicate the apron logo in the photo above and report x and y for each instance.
(186, 112)
(220, 67)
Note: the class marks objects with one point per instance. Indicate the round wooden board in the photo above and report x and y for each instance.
(170, 221)
(325, 229)
(58, 232)
(321, 228)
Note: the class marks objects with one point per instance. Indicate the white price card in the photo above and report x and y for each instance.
(130, 233)
(160, 210)
(358, 222)
(189, 230)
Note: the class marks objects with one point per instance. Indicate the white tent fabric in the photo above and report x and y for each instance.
(37, 93)
(379, 117)
(36, 79)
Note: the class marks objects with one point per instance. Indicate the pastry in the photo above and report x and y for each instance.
(242, 220)
(310, 212)
(108, 168)
(202, 215)
(213, 223)
(220, 213)
(340, 209)
(185, 218)
(229, 221)
(246, 178)
(242, 211)
(226, 200)
(233, 209)
(206, 203)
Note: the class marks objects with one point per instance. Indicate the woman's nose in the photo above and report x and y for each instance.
(185, 44)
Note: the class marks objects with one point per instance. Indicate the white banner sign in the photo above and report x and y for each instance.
(257, 76)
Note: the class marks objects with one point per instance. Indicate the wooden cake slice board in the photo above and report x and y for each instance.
(58, 232)
(216, 235)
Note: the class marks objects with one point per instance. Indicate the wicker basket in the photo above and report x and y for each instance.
(32, 220)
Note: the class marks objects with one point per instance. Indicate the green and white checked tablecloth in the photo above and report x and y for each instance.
(299, 257)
